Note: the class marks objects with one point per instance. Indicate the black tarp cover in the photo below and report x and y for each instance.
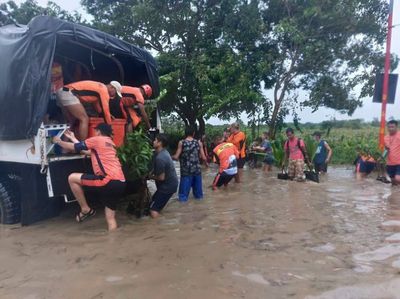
(26, 56)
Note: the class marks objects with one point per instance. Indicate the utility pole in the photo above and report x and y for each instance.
(385, 89)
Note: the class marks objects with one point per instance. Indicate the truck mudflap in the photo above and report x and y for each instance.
(35, 202)
(43, 195)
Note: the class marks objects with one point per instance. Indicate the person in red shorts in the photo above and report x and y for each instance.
(392, 146)
(226, 155)
(107, 181)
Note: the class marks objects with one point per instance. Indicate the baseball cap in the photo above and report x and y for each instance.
(117, 87)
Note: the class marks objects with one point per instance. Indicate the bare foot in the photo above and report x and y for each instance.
(154, 214)
(112, 227)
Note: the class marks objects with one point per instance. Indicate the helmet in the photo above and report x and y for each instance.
(147, 90)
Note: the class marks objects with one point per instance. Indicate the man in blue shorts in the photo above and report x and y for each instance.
(164, 174)
(189, 153)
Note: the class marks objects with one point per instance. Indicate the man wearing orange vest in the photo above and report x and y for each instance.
(238, 138)
(226, 155)
(71, 97)
(132, 105)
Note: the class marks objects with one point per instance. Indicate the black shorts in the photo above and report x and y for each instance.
(269, 159)
(365, 166)
(159, 200)
(393, 170)
(222, 179)
(109, 193)
(321, 167)
(241, 162)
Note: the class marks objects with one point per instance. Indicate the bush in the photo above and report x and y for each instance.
(136, 155)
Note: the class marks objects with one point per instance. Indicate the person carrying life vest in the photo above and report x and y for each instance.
(226, 155)
(132, 105)
(72, 97)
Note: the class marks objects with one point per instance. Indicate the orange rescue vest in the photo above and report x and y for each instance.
(95, 93)
(130, 97)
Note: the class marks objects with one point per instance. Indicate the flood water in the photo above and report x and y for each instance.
(263, 238)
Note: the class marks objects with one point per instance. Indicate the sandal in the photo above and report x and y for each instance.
(80, 217)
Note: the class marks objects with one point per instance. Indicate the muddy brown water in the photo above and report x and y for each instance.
(264, 238)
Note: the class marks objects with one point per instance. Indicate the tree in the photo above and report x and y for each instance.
(206, 70)
(10, 12)
(326, 47)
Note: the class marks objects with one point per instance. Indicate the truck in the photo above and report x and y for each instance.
(33, 175)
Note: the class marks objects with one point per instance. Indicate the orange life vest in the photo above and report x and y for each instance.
(239, 140)
(224, 153)
(130, 97)
(95, 93)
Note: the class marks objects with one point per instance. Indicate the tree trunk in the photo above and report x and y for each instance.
(274, 118)
(202, 126)
(253, 129)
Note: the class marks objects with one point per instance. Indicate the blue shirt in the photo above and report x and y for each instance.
(321, 153)
(266, 145)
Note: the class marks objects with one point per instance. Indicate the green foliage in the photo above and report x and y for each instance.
(136, 154)
(311, 146)
(325, 47)
(208, 51)
(29, 9)
(278, 151)
(346, 143)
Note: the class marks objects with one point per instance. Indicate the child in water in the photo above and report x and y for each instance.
(366, 163)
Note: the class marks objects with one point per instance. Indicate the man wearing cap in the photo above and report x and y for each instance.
(132, 105)
(107, 181)
(72, 96)
(322, 155)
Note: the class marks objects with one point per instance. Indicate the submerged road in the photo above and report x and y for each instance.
(264, 238)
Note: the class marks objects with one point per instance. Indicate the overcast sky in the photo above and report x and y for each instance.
(368, 111)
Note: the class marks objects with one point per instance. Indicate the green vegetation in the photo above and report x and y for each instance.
(136, 155)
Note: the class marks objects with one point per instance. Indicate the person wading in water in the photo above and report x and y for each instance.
(189, 153)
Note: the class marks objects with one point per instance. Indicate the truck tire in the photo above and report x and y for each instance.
(10, 205)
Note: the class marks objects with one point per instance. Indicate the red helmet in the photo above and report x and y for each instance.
(147, 90)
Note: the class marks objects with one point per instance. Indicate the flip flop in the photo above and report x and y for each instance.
(80, 217)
